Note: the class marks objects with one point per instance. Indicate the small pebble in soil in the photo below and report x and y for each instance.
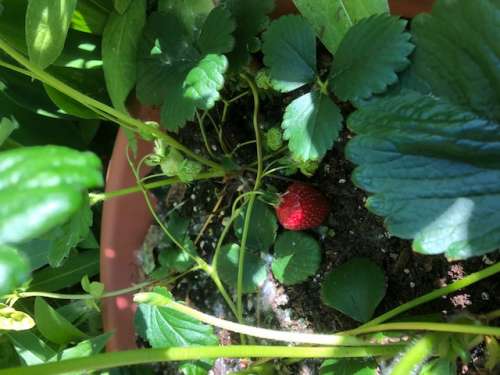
(487, 260)
(214, 147)
(485, 296)
(193, 197)
(407, 271)
(342, 181)
(412, 284)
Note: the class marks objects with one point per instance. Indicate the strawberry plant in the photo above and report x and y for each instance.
(246, 147)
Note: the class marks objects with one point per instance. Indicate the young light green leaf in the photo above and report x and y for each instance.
(53, 326)
(164, 327)
(205, 80)
(41, 187)
(14, 269)
(67, 236)
(255, 271)
(349, 366)
(434, 170)
(262, 227)
(70, 273)
(7, 126)
(14, 320)
(331, 19)
(47, 23)
(31, 349)
(94, 288)
(297, 256)
(439, 366)
(290, 53)
(369, 56)
(217, 32)
(85, 348)
(251, 18)
(89, 17)
(311, 125)
(354, 288)
(464, 32)
(119, 50)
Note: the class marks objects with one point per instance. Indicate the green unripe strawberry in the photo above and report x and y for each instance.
(274, 140)
(263, 80)
(188, 170)
(171, 163)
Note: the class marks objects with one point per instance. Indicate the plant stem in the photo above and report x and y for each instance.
(142, 356)
(204, 134)
(426, 326)
(111, 113)
(415, 355)
(453, 287)
(251, 201)
(99, 197)
(491, 315)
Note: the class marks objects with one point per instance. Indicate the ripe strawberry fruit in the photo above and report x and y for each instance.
(302, 207)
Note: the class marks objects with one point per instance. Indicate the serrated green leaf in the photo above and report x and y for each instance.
(331, 19)
(251, 18)
(67, 236)
(14, 269)
(7, 126)
(190, 13)
(205, 80)
(217, 32)
(290, 53)
(70, 273)
(354, 288)
(41, 187)
(255, 272)
(53, 326)
(434, 170)
(465, 70)
(297, 256)
(120, 42)
(369, 56)
(165, 57)
(47, 23)
(164, 327)
(30, 348)
(349, 366)
(311, 125)
(262, 227)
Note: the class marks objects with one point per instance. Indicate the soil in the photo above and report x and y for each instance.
(357, 233)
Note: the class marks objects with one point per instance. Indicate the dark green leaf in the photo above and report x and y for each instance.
(205, 80)
(217, 32)
(349, 366)
(251, 18)
(47, 23)
(190, 13)
(89, 17)
(164, 327)
(165, 57)
(30, 348)
(369, 56)
(67, 236)
(332, 18)
(68, 105)
(7, 126)
(119, 51)
(14, 269)
(37, 252)
(440, 366)
(53, 326)
(290, 53)
(354, 288)
(177, 109)
(297, 256)
(196, 368)
(70, 273)
(121, 6)
(434, 170)
(85, 348)
(465, 70)
(311, 125)
(255, 271)
(8, 355)
(262, 227)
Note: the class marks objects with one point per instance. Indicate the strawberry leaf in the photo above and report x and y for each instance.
(255, 272)
(311, 124)
(369, 56)
(297, 256)
(251, 18)
(217, 32)
(349, 366)
(203, 82)
(290, 53)
(354, 288)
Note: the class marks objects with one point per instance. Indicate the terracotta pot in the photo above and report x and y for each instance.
(126, 219)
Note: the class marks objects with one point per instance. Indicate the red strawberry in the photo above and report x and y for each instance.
(302, 207)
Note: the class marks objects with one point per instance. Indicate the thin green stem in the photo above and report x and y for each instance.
(453, 287)
(495, 314)
(204, 134)
(142, 356)
(15, 68)
(427, 326)
(237, 97)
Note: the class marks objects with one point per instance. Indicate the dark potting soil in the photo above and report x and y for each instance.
(357, 233)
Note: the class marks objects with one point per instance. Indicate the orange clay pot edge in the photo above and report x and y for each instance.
(126, 220)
